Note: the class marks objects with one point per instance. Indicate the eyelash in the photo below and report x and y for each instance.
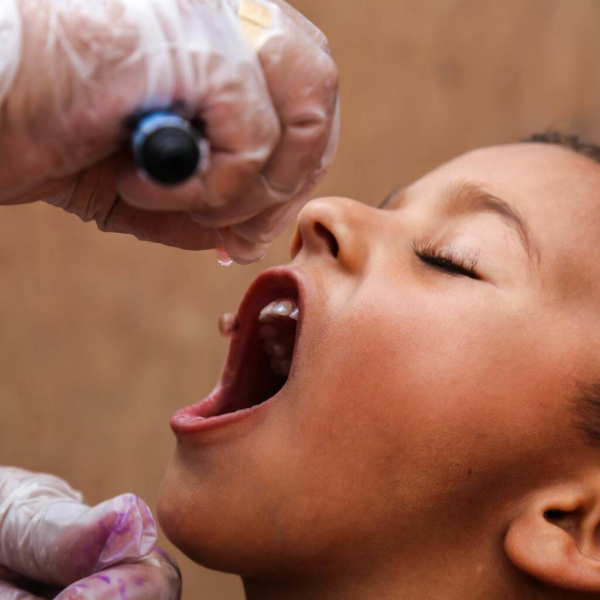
(445, 259)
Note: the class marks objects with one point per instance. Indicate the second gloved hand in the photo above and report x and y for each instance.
(52, 543)
(256, 72)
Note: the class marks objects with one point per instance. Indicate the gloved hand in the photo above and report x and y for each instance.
(53, 545)
(256, 72)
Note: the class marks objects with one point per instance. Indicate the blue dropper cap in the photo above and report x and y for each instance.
(166, 147)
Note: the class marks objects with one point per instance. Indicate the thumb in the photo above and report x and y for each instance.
(120, 530)
(48, 535)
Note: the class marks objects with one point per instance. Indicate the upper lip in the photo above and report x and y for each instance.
(278, 282)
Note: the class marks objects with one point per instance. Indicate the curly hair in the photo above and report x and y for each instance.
(570, 141)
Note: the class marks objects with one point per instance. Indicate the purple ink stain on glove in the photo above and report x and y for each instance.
(122, 588)
(130, 536)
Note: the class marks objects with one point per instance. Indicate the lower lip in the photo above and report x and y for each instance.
(189, 421)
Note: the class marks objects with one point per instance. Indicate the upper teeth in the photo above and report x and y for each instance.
(279, 308)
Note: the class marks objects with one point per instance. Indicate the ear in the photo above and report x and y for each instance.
(556, 537)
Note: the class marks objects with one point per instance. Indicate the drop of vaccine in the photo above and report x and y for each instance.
(224, 259)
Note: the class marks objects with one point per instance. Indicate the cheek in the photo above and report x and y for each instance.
(425, 382)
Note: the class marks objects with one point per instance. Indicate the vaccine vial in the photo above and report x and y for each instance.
(167, 148)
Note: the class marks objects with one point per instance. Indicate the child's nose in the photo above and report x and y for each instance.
(338, 227)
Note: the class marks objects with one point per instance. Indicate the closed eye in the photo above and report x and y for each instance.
(446, 260)
(447, 265)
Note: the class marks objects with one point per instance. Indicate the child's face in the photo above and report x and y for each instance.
(423, 404)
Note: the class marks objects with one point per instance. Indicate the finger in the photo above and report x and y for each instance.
(24, 500)
(250, 241)
(170, 229)
(270, 223)
(154, 578)
(49, 536)
(9, 591)
(303, 83)
(227, 90)
(159, 198)
(65, 541)
(92, 196)
(243, 251)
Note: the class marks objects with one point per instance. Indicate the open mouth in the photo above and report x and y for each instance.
(261, 355)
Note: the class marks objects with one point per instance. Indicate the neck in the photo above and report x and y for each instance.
(454, 576)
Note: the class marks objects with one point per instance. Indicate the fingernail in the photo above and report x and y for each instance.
(228, 324)
(168, 558)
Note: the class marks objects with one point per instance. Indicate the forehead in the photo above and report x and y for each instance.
(558, 193)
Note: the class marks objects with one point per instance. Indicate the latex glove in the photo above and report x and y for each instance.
(256, 72)
(51, 543)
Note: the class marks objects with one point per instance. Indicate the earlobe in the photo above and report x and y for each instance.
(555, 541)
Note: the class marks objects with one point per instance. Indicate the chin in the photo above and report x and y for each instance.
(188, 526)
(221, 536)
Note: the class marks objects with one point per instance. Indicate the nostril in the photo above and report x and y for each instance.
(322, 232)
(554, 515)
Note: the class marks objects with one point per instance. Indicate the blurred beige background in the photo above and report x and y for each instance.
(103, 337)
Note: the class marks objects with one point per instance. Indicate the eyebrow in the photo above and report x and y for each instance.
(469, 198)
(465, 197)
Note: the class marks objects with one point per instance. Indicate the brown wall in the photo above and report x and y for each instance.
(104, 337)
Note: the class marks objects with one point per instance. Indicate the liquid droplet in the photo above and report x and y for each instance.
(224, 259)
